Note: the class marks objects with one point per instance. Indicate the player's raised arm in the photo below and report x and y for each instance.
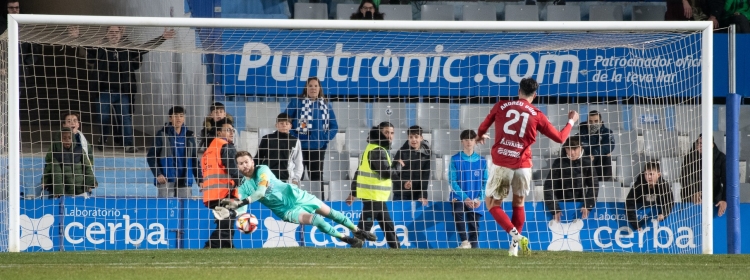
(485, 126)
(546, 128)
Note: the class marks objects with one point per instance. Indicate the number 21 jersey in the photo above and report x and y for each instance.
(516, 125)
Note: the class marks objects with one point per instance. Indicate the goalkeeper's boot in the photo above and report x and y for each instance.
(365, 235)
(353, 241)
(513, 251)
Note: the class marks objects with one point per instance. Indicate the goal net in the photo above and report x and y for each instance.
(644, 96)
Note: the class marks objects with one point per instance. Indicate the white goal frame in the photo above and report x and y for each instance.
(14, 140)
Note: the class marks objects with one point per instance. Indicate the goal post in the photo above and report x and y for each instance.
(569, 37)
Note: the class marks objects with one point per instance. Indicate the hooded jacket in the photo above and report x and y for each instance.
(571, 180)
(67, 171)
(379, 159)
(690, 176)
(416, 168)
(598, 143)
(643, 196)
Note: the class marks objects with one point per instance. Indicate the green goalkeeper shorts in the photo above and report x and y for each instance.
(305, 203)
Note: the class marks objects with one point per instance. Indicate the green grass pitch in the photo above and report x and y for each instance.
(315, 263)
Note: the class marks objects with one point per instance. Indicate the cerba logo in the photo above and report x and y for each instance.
(78, 232)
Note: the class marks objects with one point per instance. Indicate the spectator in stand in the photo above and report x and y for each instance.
(368, 11)
(174, 157)
(598, 143)
(73, 122)
(281, 152)
(468, 176)
(691, 177)
(572, 178)
(314, 124)
(67, 170)
(30, 54)
(721, 12)
(415, 175)
(220, 176)
(218, 113)
(70, 70)
(650, 194)
(117, 64)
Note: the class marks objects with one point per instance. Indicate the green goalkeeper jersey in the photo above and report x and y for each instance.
(275, 194)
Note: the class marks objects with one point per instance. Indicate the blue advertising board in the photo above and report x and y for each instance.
(456, 64)
(75, 224)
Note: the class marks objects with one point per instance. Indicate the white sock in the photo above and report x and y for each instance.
(513, 232)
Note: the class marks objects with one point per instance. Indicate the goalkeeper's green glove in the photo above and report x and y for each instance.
(221, 213)
(234, 204)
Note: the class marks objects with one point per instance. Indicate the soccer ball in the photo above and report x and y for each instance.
(247, 223)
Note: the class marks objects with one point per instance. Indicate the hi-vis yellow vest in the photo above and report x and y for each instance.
(369, 184)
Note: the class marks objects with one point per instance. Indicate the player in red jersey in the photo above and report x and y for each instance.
(516, 125)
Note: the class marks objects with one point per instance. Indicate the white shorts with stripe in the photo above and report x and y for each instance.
(502, 179)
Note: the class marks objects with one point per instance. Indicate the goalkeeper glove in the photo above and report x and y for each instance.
(221, 213)
(233, 204)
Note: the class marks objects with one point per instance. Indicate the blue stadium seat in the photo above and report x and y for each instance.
(310, 11)
(479, 12)
(649, 13)
(396, 12)
(605, 13)
(521, 13)
(563, 13)
(438, 12)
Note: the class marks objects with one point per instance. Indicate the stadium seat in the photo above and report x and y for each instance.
(356, 141)
(625, 143)
(649, 13)
(540, 168)
(687, 120)
(479, 12)
(438, 190)
(338, 190)
(629, 167)
(345, 10)
(446, 142)
(521, 13)
(611, 192)
(438, 12)
(545, 147)
(605, 13)
(312, 188)
(350, 114)
(399, 138)
(563, 13)
(745, 193)
(558, 114)
(671, 168)
(310, 11)
(659, 144)
(395, 113)
(721, 141)
(260, 115)
(677, 191)
(648, 117)
(471, 115)
(433, 116)
(396, 12)
(336, 166)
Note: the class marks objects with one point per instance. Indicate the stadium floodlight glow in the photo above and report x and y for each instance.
(666, 66)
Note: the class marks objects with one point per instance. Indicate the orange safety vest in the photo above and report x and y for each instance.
(217, 183)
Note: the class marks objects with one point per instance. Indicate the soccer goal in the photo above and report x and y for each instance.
(644, 88)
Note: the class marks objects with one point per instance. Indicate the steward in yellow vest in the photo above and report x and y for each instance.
(373, 182)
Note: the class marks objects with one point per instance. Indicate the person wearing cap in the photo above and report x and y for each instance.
(572, 179)
(282, 152)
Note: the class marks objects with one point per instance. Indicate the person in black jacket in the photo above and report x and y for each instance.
(573, 178)
(650, 192)
(117, 64)
(367, 11)
(690, 178)
(415, 175)
(376, 168)
(282, 152)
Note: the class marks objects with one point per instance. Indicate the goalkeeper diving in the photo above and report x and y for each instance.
(288, 202)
